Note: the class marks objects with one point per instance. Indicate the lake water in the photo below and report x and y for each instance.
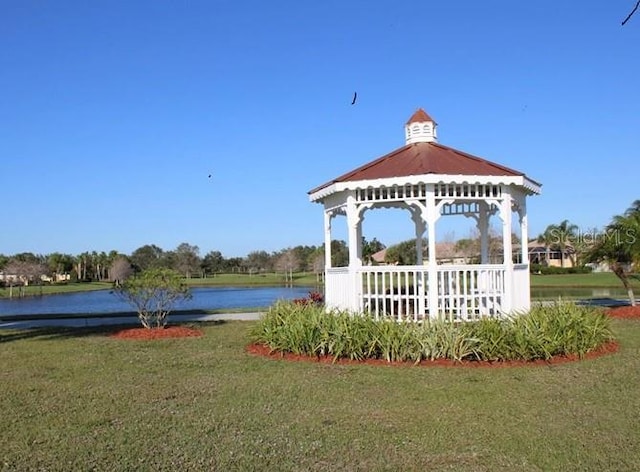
(222, 298)
(105, 301)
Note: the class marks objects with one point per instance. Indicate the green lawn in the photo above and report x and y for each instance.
(77, 400)
(595, 280)
(57, 288)
(302, 278)
(238, 280)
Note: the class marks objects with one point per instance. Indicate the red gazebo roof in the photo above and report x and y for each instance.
(420, 116)
(420, 159)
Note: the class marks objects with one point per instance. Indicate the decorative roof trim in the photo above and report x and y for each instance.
(530, 187)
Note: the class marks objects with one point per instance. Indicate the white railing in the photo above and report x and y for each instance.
(462, 292)
(339, 289)
(396, 291)
(521, 300)
(467, 292)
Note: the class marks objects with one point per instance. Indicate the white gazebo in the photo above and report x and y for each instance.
(431, 181)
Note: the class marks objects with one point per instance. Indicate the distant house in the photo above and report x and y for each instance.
(446, 251)
(10, 278)
(378, 257)
(549, 256)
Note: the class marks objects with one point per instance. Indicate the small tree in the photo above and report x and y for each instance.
(154, 293)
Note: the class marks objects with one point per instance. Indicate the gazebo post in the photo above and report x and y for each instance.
(522, 290)
(524, 231)
(353, 223)
(483, 229)
(327, 239)
(507, 248)
(432, 268)
(355, 252)
(420, 228)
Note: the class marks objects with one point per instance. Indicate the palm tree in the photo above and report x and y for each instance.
(560, 237)
(547, 239)
(619, 246)
(566, 233)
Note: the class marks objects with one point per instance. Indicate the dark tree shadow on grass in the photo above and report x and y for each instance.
(65, 332)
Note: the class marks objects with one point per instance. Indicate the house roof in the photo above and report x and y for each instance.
(421, 159)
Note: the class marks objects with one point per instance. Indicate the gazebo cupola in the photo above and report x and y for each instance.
(420, 128)
(430, 181)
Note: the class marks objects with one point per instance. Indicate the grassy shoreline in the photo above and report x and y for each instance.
(222, 280)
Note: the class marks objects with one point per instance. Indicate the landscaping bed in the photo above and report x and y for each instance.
(561, 330)
(627, 312)
(156, 333)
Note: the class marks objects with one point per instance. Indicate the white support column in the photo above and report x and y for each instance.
(483, 229)
(507, 249)
(359, 240)
(524, 230)
(353, 223)
(420, 228)
(327, 239)
(355, 249)
(523, 285)
(430, 218)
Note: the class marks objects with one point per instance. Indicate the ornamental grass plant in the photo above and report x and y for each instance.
(559, 329)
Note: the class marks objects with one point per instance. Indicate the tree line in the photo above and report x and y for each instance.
(185, 259)
(617, 245)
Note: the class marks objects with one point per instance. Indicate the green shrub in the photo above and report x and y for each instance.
(544, 332)
(153, 293)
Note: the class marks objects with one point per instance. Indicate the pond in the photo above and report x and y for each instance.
(105, 301)
(223, 298)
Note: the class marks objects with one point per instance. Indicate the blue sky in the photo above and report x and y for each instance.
(114, 113)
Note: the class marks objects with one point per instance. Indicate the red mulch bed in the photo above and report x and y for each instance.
(625, 312)
(262, 350)
(156, 333)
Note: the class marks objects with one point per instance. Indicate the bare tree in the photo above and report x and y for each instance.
(22, 273)
(120, 270)
(288, 262)
(318, 264)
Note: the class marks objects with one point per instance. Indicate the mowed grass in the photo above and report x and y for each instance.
(248, 280)
(593, 280)
(31, 290)
(219, 280)
(78, 400)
